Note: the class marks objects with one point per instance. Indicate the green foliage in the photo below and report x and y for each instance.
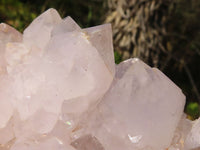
(85, 13)
(193, 110)
(20, 13)
(15, 13)
(118, 57)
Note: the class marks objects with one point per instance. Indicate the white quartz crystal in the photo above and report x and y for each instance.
(59, 91)
(141, 109)
(55, 64)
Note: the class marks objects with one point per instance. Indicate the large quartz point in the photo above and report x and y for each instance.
(140, 111)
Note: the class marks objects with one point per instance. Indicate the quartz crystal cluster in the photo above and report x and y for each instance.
(60, 90)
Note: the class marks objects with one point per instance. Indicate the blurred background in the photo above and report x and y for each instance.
(163, 33)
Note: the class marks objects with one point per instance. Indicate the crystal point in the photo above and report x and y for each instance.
(37, 34)
(142, 107)
(101, 38)
(66, 25)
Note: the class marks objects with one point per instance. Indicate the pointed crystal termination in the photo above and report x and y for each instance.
(141, 109)
(101, 38)
(9, 34)
(66, 25)
(37, 34)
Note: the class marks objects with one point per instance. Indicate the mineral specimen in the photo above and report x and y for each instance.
(60, 90)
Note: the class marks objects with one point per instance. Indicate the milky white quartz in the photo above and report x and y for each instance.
(141, 109)
(51, 66)
(61, 90)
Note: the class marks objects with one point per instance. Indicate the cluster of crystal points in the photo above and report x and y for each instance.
(60, 90)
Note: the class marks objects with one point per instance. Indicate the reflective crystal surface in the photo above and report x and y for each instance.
(141, 109)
